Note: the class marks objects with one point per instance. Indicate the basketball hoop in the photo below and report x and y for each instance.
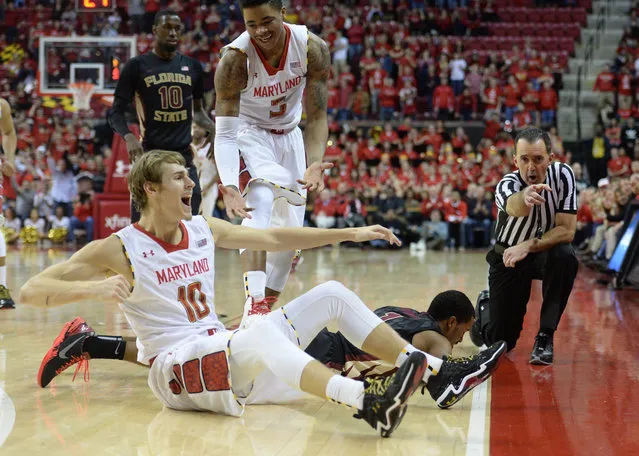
(82, 92)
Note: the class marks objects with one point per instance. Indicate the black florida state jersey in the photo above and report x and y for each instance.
(163, 92)
(407, 322)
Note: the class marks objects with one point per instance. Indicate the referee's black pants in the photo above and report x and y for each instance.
(196, 199)
(510, 291)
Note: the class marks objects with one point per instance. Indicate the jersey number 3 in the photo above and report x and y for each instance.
(274, 104)
(195, 306)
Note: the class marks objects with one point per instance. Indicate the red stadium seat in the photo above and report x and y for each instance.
(534, 15)
(573, 31)
(579, 15)
(507, 15)
(564, 15)
(587, 4)
(562, 58)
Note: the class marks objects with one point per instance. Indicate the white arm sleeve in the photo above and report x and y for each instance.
(227, 154)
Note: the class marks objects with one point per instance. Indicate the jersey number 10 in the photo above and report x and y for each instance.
(171, 97)
(196, 307)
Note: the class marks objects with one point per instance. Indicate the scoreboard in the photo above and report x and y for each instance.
(87, 6)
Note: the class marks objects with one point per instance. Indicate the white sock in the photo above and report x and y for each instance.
(434, 364)
(346, 391)
(255, 284)
(3, 276)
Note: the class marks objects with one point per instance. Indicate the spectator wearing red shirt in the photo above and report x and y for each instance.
(388, 100)
(431, 178)
(522, 119)
(585, 218)
(324, 210)
(443, 100)
(624, 89)
(355, 35)
(491, 98)
(370, 152)
(530, 99)
(360, 103)
(375, 84)
(389, 134)
(333, 98)
(82, 217)
(345, 93)
(432, 138)
(408, 99)
(613, 133)
(493, 127)
(333, 151)
(618, 164)
(511, 95)
(606, 84)
(466, 106)
(431, 202)
(455, 212)
(547, 104)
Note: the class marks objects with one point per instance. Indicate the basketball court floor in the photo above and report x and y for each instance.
(586, 404)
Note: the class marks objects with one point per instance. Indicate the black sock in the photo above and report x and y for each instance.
(108, 347)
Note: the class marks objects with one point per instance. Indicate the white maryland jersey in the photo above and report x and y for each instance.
(273, 96)
(172, 298)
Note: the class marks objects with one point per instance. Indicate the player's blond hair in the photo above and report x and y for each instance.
(148, 168)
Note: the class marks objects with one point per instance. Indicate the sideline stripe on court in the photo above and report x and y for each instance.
(7, 416)
(476, 440)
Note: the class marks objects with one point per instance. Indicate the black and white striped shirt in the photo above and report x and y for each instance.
(563, 198)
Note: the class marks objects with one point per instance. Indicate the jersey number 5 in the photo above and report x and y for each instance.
(278, 102)
(196, 307)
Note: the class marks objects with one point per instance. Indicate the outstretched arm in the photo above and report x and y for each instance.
(82, 277)
(231, 236)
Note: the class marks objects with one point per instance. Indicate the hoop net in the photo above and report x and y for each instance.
(82, 92)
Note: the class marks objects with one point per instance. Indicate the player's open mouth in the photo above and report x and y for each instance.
(186, 201)
(264, 39)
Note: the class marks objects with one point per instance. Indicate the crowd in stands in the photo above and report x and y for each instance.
(406, 66)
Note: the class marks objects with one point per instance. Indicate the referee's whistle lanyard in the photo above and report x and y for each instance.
(539, 232)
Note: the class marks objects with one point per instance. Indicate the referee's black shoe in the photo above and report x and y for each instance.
(480, 307)
(542, 352)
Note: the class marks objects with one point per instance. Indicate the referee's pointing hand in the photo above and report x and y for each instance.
(532, 195)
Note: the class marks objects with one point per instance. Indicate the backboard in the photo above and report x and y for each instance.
(65, 60)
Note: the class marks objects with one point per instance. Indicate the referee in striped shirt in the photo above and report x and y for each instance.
(535, 227)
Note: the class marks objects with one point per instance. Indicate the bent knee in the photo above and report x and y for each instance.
(332, 286)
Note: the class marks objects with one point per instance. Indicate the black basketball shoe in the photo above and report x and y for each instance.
(481, 307)
(542, 352)
(458, 376)
(385, 397)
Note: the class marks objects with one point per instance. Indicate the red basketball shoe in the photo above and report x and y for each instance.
(66, 351)
(255, 311)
